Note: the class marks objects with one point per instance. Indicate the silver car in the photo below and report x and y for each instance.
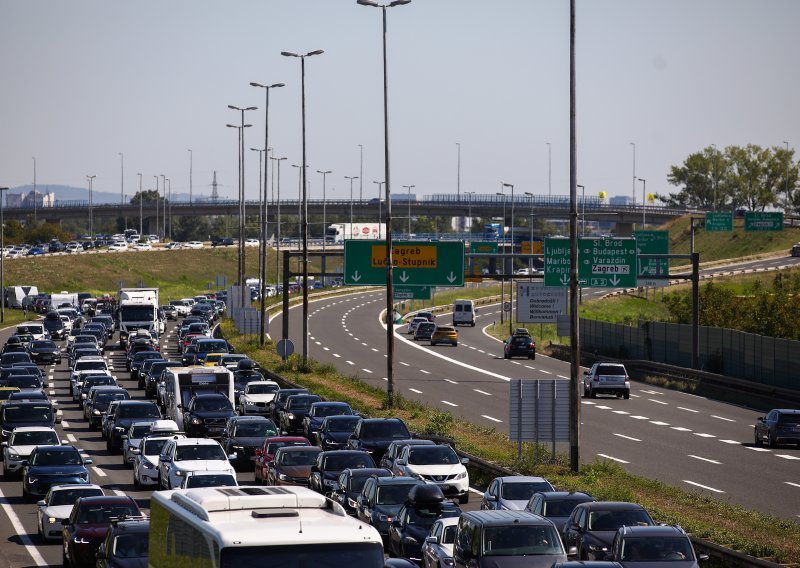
(437, 550)
(57, 505)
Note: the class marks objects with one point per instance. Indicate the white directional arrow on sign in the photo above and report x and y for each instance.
(564, 279)
(451, 278)
(614, 280)
(403, 277)
(356, 276)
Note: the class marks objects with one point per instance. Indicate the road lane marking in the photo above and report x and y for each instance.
(787, 457)
(590, 403)
(490, 418)
(659, 423)
(448, 403)
(651, 392)
(64, 424)
(482, 392)
(424, 371)
(722, 418)
(635, 395)
(681, 429)
(374, 349)
(703, 486)
(416, 391)
(628, 437)
(364, 344)
(326, 348)
(22, 532)
(603, 407)
(705, 459)
(688, 409)
(404, 363)
(545, 372)
(640, 417)
(99, 471)
(530, 367)
(562, 377)
(792, 484)
(757, 449)
(451, 382)
(621, 412)
(385, 379)
(52, 392)
(349, 362)
(367, 371)
(336, 355)
(318, 343)
(704, 435)
(613, 458)
(737, 442)
(658, 401)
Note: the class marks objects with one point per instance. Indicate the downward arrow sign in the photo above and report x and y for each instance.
(356, 276)
(564, 279)
(451, 278)
(614, 280)
(404, 277)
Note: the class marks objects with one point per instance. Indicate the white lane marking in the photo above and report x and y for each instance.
(451, 382)
(651, 392)
(52, 392)
(374, 349)
(99, 471)
(705, 459)
(681, 429)
(704, 435)
(589, 402)
(640, 417)
(792, 484)
(757, 449)
(688, 409)
(336, 355)
(787, 457)
(424, 371)
(659, 423)
(448, 403)
(635, 395)
(364, 344)
(367, 371)
(326, 348)
(404, 363)
(482, 392)
(71, 438)
(356, 338)
(658, 401)
(562, 377)
(350, 334)
(722, 418)
(601, 407)
(318, 343)
(490, 418)
(516, 362)
(529, 367)
(416, 391)
(20, 530)
(621, 412)
(703, 486)
(385, 379)
(545, 372)
(118, 492)
(64, 424)
(613, 458)
(738, 443)
(349, 362)
(628, 437)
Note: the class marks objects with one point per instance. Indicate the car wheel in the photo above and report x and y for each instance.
(758, 441)
(463, 499)
(771, 442)
(455, 344)
(592, 394)
(627, 395)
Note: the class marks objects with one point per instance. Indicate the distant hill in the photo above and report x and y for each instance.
(68, 193)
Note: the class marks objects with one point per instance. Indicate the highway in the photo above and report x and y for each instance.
(681, 439)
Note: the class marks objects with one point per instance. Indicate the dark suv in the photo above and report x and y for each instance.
(297, 408)
(126, 413)
(591, 526)
(125, 545)
(519, 345)
(373, 435)
(206, 415)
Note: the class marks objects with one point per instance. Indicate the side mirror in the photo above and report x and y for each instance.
(703, 557)
(41, 503)
(465, 461)
(87, 462)
(432, 540)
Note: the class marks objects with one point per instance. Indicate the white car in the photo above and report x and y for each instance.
(67, 321)
(412, 325)
(142, 246)
(251, 242)
(256, 397)
(74, 248)
(153, 238)
(437, 464)
(21, 443)
(208, 478)
(439, 553)
(193, 245)
(132, 438)
(57, 505)
(174, 245)
(145, 458)
(118, 247)
(190, 454)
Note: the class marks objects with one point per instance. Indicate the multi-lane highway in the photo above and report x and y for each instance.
(684, 440)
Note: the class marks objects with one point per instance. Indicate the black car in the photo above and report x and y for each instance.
(44, 351)
(206, 415)
(244, 435)
(53, 324)
(154, 374)
(336, 431)
(409, 529)
(126, 413)
(280, 400)
(21, 413)
(125, 545)
(381, 499)
(351, 483)
(296, 409)
(52, 465)
(325, 472)
(396, 447)
(591, 527)
(374, 435)
(138, 360)
(780, 426)
(519, 346)
(317, 414)
(222, 242)
(98, 405)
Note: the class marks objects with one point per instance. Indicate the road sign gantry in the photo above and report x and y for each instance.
(416, 263)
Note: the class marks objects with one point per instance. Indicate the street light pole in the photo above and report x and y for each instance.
(380, 193)
(408, 187)
(2, 257)
(168, 205)
(503, 257)
(91, 225)
(530, 227)
(157, 194)
(633, 144)
(351, 178)
(583, 206)
(278, 233)
(34, 190)
(302, 58)
(511, 284)
(715, 176)
(644, 189)
(191, 160)
(140, 205)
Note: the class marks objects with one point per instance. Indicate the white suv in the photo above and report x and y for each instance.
(438, 464)
(21, 443)
(190, 454)
(607, 378)
(145, 458)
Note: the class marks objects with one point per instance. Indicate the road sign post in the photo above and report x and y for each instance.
(717, 222)
(416, 263)
(652, 242)
(537, 303)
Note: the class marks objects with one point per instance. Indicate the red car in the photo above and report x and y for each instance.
(267, 452)
(88, 524)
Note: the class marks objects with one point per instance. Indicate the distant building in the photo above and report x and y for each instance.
(31, 199)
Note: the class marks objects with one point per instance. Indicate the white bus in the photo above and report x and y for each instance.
(182, 383)
(236, 527)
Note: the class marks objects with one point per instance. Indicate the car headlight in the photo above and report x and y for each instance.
(283, 477)
(51, 520)
(97, 413)
(461, 475)
(80, 540)
(119, 429)
(448, 561)
(290, 416)
(179, 473)
(13, 455)
(32, 479)
(598, 548)
(352, 503)
(196, 421)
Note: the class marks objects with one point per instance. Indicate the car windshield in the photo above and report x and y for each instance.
(142, 355)
(37, 345)
(212, 346)
(266, 388)
(432, 455)
(27, 413)
(331, 410)
(200, 452)
(339, 463)
(85, 339)
(394, 494)
(136, 313)
(35, 438)
(255, 430)
(612, 520)
(520, 341)
(789, 419)
(212, 404)
(520, 491)
(656, 549)
(153, 447)
(90, 366)
(102, 514)
(211, 481)
(342, 425)
(105, 398)
(131, 545)
(298, 458)
(56, 457)
(138, 431)
(138, 411)
(559, 507)
(300, 403)
(69, 496)
(519, 540)
(383, 430)
(24, 382)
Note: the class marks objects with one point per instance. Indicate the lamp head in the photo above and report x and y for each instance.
(315, 52)
(289, 54)
(257, 85)
(277, 85)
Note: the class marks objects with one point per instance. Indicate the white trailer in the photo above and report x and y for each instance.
(339, 232)
(15, 295)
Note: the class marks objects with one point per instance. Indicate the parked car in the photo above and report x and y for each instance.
(145, 458)
(394, 449)
(21, 442)
(437, 464)
(317, 414)
(381, 499)
(297, 408)
(126, 413)
(779, 426)
(437, 551)
(243, 435)
(206, 415)
(267, 453)
(181, 455)
(126, 544)
(256, 396)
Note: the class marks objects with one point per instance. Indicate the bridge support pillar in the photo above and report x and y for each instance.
(624, 229)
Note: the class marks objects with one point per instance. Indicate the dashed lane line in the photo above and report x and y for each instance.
(21, 532)
(787, 457)
(424, 371)
(658, 401)
(490, 418)
(451, 382)
(448, 403)
(416, 391)
(628, 437)
(367, 371)
(703, 486)
(482, 392)
(705, 459)
(702, 435)
(688, 409)
(722, 418)
(612, 458)
(99, 472)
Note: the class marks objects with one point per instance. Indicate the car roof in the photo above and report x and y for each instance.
(564, 495)
(611, 506)
(787, 410)
(195, 441)
(79, 486)
(399, 480)
(106, 499)
(249, 419)
(657, 530)
(33, 429)
(367, 471)
(521, 479)
(489, 517)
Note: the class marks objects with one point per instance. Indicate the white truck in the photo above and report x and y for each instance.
(64, 297)
(339, 232)
(138, 309)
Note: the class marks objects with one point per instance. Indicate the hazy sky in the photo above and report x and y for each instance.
(85, 80)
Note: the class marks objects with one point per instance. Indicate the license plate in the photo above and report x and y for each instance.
(215, 430)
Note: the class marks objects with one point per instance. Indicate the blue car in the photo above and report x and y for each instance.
(321, 410)
(53, 465)
(335, 431)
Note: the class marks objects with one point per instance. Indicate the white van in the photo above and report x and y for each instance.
(464, 312)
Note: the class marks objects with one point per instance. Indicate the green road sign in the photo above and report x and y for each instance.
(652, 242)
(412, 292)
(718, 222)
(607, 262)
(556, 262)
(763, 221)
(483, 247)
(416, 263)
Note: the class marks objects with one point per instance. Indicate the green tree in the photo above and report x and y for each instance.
(148, 195)
(698, 178)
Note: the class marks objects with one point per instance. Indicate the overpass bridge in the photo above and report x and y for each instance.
(340, 210)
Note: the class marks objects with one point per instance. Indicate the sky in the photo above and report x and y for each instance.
(85, 80)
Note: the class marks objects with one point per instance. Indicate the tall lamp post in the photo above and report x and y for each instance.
(168, 205)
(91, 224)
(511, 287)
(409, 187)
(380, 194)
(351, 178)
(302, 57)
(278, 223)
(644, 190)
(324, 219)
(141, 199)
(2, 258)
(633, 145)
(242, 213)
(299, 201)
(191, 164)
(122, 187)
(260, 225)
(583, 208)
(786, 181)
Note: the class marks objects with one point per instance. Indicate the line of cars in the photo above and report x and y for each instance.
(423, 327)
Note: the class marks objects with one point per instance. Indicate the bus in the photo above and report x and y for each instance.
(232, 527)
(182, 383)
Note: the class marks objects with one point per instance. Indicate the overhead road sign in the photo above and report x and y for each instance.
(556, 262)
(717, 222)
(416, 263)
(531, 247)
(607, 262)
(412, 292)
(537, 303)
(652, 242)
(763, 221)
(483, 247)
